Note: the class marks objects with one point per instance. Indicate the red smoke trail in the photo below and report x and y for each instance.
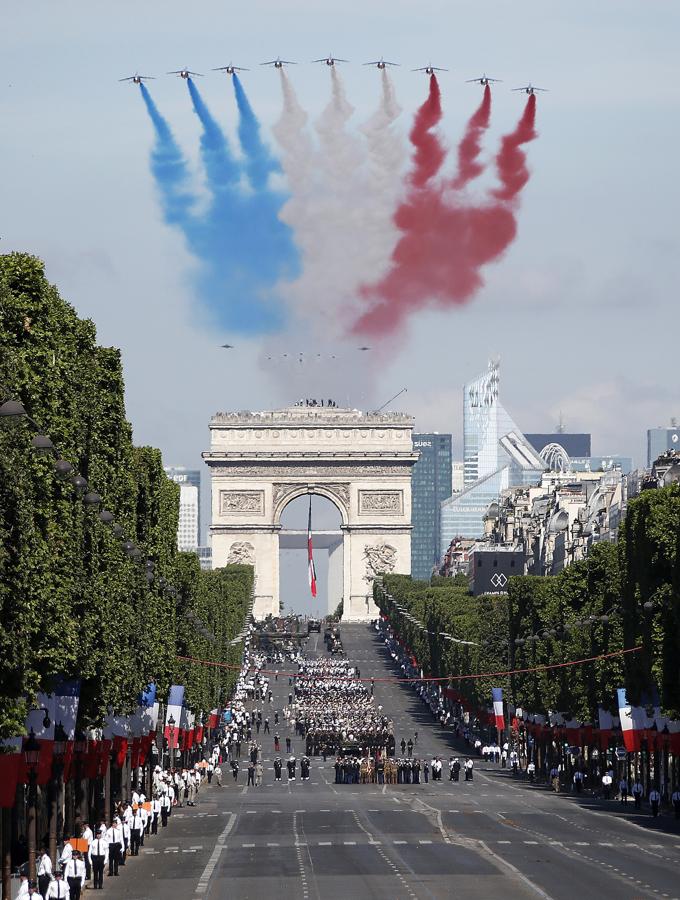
(511, 159)
(471, 144)
(446, 240)
(429, 154)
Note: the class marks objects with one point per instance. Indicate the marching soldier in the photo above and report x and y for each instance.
(99, 857)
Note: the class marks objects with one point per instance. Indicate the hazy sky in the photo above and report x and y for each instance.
(583, 309)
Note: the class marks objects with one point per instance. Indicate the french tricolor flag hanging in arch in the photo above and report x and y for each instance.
(497, 697)
(310, 552)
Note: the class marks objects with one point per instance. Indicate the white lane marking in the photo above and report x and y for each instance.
(220, 844)
(273, 845)
(247, 845)
(398, 842)
(424, 842)
(325, 844)
(529, 842)
(350, 843)
(503, 862)
(502, 842)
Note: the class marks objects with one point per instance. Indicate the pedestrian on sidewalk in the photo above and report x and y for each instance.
(638, 794)
(654, 800)
(99, 857)
(623, 790)
(75, 875)
(675, 800)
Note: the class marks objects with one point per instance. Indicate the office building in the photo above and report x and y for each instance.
(496, 456)
(189, 527)
(659, 440)
(430, 485)
(573, 444)
(555, 522)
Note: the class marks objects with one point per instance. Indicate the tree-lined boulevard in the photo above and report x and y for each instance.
(496, 836)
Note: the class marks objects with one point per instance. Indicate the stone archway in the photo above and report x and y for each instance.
(362, 462)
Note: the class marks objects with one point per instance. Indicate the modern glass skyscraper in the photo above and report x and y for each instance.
(661, 439)
(189, 528)
(496, 456)
(430, 484)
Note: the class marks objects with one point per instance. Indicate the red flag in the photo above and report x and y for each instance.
(9, 778)
(214, 719)
(310, 555)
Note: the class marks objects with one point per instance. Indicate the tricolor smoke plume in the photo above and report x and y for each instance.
(446, 239)
(242, 247)
(259, 162)
(429, 151)
(169, 169)
(470, 146)
(343, 194)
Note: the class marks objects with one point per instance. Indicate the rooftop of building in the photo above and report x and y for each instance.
(311, 415)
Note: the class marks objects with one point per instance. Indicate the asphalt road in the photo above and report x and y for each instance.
(490, 839)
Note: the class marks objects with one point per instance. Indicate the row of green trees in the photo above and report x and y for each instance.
(72, 601)
(622, 595)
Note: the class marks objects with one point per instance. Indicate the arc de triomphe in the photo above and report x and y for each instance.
(260, 461)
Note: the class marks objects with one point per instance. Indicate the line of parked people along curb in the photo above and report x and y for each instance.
(84, 861)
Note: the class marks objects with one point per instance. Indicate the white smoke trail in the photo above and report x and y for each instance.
(386, 159)
(343, 196)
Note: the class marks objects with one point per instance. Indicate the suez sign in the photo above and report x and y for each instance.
(422, 443)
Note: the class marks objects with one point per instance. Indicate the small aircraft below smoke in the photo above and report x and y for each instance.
(227, 346)
(230, 69)
(330, 60)
(430, 70)
(381, 63)
(483, 80)
(530, 89)
(137, 79)
(278, 63)
(364, 348)
(185, 73)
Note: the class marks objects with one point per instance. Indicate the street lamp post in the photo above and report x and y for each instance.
(79, 749)
(171, 736)
(57, 769)
(32, 758)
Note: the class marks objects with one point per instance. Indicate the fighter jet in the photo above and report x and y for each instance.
(185, 73)
(364, 348)
(483, 80)
(279, 63)
(530, 89)
(381, 63)
(230, 69)
(330, 60)
(137, 79)
(429, 70)
(227, 346)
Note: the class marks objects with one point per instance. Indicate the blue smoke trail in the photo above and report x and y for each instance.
(259, 162)
(169, 168)
(240, 249)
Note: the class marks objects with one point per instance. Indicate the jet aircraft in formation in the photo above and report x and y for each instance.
(429, 70)
(381, 63)
(529, 89)
(137, 79)
(279, 63)
(483, 80)
(230, 69)
(329, 60)
(186, 73)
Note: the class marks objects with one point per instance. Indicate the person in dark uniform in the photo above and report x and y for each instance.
(277, 768)
(234, 768)
(99, 856)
